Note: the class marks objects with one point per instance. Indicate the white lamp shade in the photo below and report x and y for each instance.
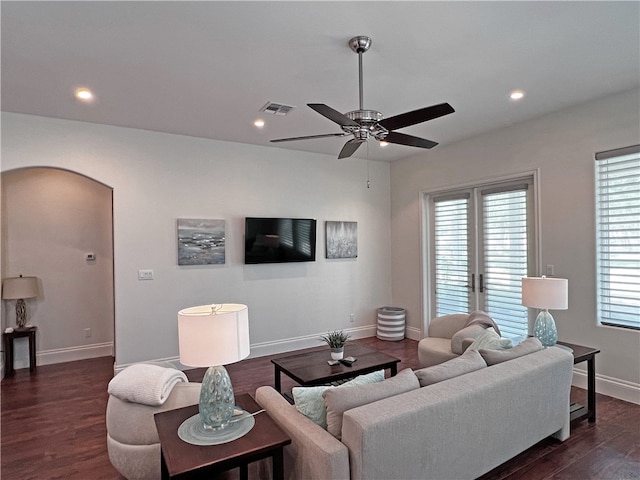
(546, 293)
(19, 287)
(212, 335)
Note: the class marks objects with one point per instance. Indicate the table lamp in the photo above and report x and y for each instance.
(545, 293)
(213, 336)
(19, 288)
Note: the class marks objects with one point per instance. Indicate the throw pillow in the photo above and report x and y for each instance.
(530, 345)
(468, 362)
(339, 400)
(472, 331)
(310, 403)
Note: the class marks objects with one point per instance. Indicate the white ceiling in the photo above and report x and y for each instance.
(205, 69)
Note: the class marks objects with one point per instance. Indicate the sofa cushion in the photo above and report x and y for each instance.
(472, 332)
(468, 362)
(310, 403)
(492, 357)
(339, 400)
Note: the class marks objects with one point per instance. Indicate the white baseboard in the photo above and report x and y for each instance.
(275, 347)
(612, 387)
(307, 341)
(70, 354)
(414, 333)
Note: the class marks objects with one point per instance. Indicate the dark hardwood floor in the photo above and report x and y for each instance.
(53, 425)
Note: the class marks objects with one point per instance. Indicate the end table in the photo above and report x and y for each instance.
(585, 354)
(9, 337)
(181, 460)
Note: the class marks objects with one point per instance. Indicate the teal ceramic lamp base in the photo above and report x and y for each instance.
(214, 424)
(545, 329)
(216, 398)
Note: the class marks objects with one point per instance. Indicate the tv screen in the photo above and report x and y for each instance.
(279, 240)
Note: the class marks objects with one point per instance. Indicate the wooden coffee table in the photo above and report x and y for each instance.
(311, 368)
(185, 461)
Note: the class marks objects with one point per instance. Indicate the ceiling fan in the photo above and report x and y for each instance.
(363, 124)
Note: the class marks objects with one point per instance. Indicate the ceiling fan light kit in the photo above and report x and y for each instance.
(364, 124)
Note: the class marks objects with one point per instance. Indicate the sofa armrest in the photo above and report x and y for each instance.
(313, 453)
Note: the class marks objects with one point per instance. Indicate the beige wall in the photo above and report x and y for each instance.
(51, 219)
(158, 178)
(561, 147)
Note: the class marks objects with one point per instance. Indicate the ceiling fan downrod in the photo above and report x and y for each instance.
(367, 119)
(360, 45)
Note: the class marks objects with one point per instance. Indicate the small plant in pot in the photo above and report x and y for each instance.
(336, 340)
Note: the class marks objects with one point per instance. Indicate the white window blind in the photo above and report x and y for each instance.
(480, 248)
(505, 256)
(451, 254)
(618, 236)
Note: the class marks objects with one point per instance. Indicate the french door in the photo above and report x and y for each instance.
(481, 245)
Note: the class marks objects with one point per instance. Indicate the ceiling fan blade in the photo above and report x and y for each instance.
(350, 148)
(308, 137)
(410, 140)
(416, 116)
(333, 115)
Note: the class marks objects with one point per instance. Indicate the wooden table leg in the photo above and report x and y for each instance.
(278, 384)
(591, 388)
(32, 351)
(278, 464)
(244, 472)
(8, 358)
(164, 473)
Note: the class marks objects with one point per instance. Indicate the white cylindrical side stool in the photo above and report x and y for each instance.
(391, 323)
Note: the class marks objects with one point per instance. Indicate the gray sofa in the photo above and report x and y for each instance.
(458, 429)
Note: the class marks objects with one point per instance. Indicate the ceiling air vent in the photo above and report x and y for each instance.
(276, 108)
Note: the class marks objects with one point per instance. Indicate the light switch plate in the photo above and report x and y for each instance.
(145, 274)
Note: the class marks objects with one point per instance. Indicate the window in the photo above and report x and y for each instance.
(451, 254)
(618, 236)
(480, 249)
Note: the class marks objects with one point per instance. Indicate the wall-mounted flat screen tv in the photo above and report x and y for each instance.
(279, 240)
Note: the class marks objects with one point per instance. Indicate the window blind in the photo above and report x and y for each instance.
(505, 257)
(451, 254)
(618, 236)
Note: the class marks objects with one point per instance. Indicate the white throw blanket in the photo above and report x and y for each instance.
(490, 340)
(145, 383)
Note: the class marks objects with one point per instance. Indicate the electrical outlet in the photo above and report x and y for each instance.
(550, 270)
(87, 333)
(352, 318)
(145, 274)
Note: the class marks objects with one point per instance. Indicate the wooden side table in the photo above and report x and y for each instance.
(181, 460)
(8, 348)
(585, 354)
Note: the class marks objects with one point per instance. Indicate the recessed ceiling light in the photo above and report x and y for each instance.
(84, 94)
(516, 95)
(259, 123)
(383, 143)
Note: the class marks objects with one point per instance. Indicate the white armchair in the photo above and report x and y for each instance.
(435, 348)
(132, 439)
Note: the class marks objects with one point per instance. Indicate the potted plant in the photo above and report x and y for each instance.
(336, 340)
